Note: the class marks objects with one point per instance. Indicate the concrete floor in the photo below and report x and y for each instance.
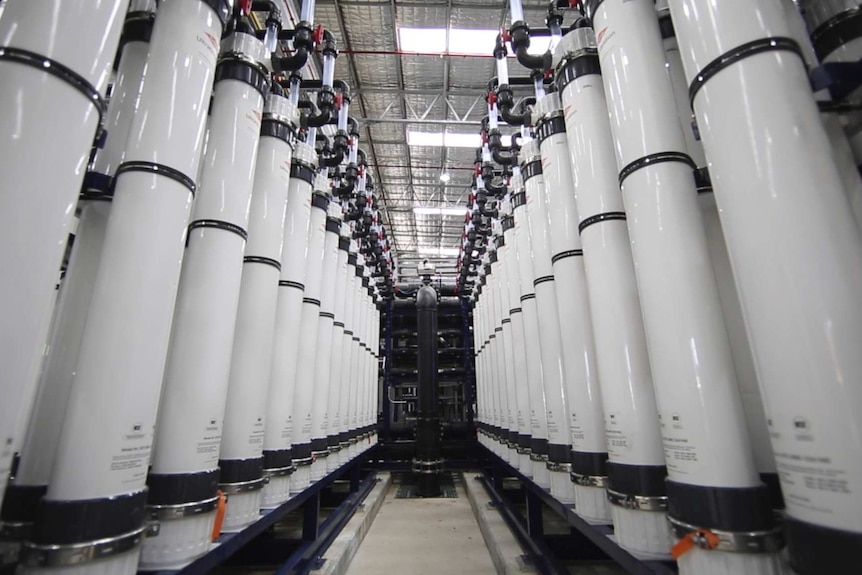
(423, 537)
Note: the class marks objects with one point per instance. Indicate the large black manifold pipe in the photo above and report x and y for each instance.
(427, 465)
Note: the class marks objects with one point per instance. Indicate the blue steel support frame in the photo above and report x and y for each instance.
(316, 536)
(593, 538)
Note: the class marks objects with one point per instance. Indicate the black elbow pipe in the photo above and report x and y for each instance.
(303, 45)
(520, 44)
(505, 103)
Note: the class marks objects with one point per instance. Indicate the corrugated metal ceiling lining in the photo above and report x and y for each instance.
(407, 176)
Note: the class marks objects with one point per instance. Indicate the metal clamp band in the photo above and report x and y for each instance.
(600, 481)
(637, 502)
(243, 486)
(652, 159)
(160, 170)
(279, 471)
(524, 450)
(304, 462)
(9, 552)
(345, 444)
(15, 530)
(175, 512)
(538, 457)
(59, 71)
(560, 467)
(320, 454)
(335, 448)
(733, 56)
(428, 467)
(33, 555)
(771, 541)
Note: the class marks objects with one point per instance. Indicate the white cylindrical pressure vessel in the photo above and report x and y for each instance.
(519, 346)
(323, 357)
(505, 366)
(582, 379)
(278, 432)
(103, 453)
(309, 323)
(241, 469)
(184, 467)
(347, 376)
(553, 366)
(799, 293)
(55, 60)
(621, 354)
(40, 442)
(356, 356)
(535, 381)
(704, 432)
(336, 381)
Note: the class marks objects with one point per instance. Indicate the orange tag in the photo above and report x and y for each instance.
(701, 538)
(220, 511)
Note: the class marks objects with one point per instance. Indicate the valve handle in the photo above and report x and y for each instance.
(245, 5)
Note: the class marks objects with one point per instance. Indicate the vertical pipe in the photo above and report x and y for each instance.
(323, 352)
(584, 413)
(428, 423)
(553, 367)
(508, 386)
(739, 343)
(40, 442)
(97, 488)
(278, 429)
(184, 467)
(309, 324)
(627, 396)
(241, 460)
(55, 60)
(519, 347)
(802, 287)
(705, 436)
(537, 415)
(336, 385)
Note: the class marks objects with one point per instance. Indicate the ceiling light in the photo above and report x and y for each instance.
(448, 140)
(473, 42)
(441, 211)
(445, 177)
(439, 252)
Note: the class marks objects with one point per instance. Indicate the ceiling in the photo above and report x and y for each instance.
(396, 93)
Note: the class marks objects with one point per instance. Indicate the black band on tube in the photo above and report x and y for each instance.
(731, 57)
(242, 71)
(518, 200)
(598, 218)
(68, 522)
(643, 480)
(584, 65)
(724, 508)
(837, 31)
(159, 170)
(302, 172)
(550, 127)
(278, 130)
(589, 464)
(320, 201)
(532, 170)
(59, 71)
(240, 470)
(652, 159)
(219, 225)
(566, 255)
(543, 279)
(179, 488)
(311, 301)
(290, 284)
(278, 459)
(262, 260)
